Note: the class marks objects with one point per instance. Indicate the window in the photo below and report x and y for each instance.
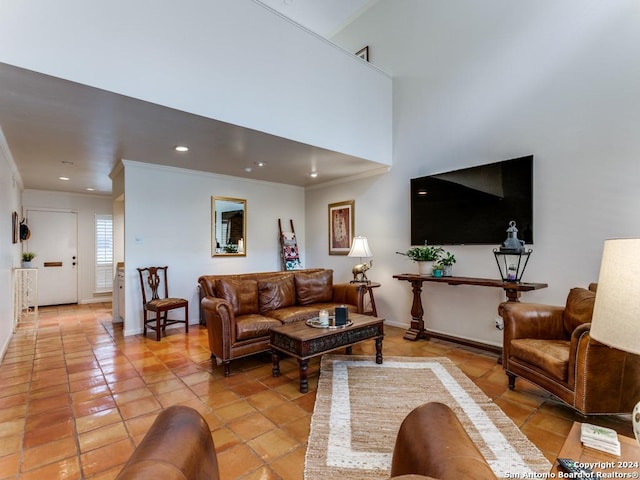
(104, 253)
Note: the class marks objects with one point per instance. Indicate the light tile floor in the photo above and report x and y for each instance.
(76, 396)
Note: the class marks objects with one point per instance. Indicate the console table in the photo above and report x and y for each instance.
(417, 330)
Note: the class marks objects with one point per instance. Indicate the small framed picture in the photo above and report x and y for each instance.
(341, 224)
(363, 53)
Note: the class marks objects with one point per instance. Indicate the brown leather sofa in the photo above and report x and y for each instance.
(551, 347)
(241, 309)
(432, 443)
(177, 446)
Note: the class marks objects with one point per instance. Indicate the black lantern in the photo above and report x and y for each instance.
(512, 257)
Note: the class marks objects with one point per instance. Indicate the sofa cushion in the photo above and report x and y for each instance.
(253, 326)
(579, 308)
(276, 292)
(314, 287)
(550, 356)
(241, 294)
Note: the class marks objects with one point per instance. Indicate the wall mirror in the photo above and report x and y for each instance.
(228, 226)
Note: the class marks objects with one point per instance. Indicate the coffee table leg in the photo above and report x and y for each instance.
(275, 361)
(379, 350)
(304, 381)
(349, 350)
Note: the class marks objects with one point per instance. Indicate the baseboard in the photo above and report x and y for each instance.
(464, 341)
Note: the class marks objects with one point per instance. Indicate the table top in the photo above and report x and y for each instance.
(302, 331)
(484, 282)
(625, 465)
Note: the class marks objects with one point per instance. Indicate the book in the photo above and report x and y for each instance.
(600, 438)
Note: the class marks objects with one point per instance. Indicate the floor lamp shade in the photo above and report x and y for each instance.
(616, 313)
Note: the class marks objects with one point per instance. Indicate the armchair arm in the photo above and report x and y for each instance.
(529, 320)
(532, 320)
(220, 321)
(349, 294)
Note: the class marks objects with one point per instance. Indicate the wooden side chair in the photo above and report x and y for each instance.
(156, 281)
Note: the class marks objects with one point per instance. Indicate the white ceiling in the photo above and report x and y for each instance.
(56, 128)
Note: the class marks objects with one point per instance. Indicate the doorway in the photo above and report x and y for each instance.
(54, 240)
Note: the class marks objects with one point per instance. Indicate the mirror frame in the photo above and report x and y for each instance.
(215, 251)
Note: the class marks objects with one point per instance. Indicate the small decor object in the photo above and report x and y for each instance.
(341, 224)
(342, 315)
(323, 318)
(512, 257)
(26, 259)
(600, 438)
(617, 304)
(15, 226)
(424, 256)
(438, 270)
(360, 248)
(363, 53)
(447, 262)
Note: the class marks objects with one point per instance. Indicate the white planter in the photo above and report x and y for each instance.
(425, 268)
(448, 271)
(26, 264)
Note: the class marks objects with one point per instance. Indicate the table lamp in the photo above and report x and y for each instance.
(616, 313)
(360, 248)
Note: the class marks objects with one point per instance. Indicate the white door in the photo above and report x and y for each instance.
(54, 240)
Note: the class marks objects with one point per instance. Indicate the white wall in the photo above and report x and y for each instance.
(232, 60)
(87, 206)
(168, 222)
(478, 82)
(10, 192)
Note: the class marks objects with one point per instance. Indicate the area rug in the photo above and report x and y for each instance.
(360, 406)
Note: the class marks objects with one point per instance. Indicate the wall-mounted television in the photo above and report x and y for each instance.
(473, 206)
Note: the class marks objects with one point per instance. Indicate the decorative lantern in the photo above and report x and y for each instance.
(512, 257)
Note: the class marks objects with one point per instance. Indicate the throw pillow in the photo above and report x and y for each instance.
(241, 294)
(579, 308)
(276, 292)
(314, 287)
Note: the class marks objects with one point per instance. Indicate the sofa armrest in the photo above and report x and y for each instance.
(349, 294)
(220, 320)
(432, 442)
(177, 446)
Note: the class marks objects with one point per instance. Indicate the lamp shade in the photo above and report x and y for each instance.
(360, 248)
(616, 313)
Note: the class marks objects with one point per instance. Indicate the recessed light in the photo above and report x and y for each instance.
(181, 148)
(63, 178)
(260, 164)
(247, 169)
(313, 174)
(89, 189)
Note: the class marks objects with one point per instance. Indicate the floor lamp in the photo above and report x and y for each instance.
(616, 313)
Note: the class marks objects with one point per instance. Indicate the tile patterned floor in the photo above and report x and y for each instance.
(76, 396)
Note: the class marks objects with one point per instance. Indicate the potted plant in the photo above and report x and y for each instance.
(447, 262)
(424, 256)
(26, 259)
(437, 269)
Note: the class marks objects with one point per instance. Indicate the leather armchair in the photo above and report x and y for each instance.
(551, 347)
(432, 443)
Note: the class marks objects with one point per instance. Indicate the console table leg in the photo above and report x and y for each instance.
(378, 350)
(275, 361)
(304, 381)
(417, 312)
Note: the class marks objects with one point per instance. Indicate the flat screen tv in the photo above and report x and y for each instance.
(473, 206)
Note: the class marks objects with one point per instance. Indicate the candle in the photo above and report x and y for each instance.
(324, 317)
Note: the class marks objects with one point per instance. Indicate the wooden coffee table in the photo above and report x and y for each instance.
(627, 465)
(304, 342)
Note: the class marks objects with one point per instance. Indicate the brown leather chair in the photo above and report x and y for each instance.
(432, 443)
(177, 446)
(156, 281)
(551, 347)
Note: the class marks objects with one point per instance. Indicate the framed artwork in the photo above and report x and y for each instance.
(341, 224)
(363, 53)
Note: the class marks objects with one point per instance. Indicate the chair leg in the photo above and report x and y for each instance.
(158, 331)
(512, 381)
(186, 318)
(227, 368)
(144, 323)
